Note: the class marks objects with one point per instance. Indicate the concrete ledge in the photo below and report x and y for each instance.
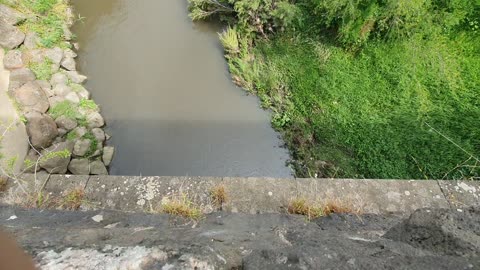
(258, 195)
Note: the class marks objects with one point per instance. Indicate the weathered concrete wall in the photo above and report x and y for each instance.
(258, 195)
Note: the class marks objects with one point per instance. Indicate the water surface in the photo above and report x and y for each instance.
(166, 94)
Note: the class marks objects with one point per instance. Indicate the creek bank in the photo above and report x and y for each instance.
(428, 239)
(64, 126)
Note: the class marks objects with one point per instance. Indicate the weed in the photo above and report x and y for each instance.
(43, 70)
(73, 199)
(88, 104)
(180, 205)
(64, 108)
(219, 195)
(301, 206)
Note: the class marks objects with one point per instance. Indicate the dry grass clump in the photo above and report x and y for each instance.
(301, 206)
(3, 184)
(72, 200)
(180, 205)
(219, 195)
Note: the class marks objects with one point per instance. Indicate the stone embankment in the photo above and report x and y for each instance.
(64, 126)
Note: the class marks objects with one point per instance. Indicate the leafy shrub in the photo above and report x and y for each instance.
(252, 16)
(358, 20)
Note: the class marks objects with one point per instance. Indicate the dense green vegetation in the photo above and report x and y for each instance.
(362, 88)
(44, 17)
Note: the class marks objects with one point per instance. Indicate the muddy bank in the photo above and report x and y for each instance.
(429, 239)
(64, 126)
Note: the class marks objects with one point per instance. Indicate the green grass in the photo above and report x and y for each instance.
(395, 110)
(43, 70)
(44, 17)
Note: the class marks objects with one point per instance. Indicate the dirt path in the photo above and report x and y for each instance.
(14, 143)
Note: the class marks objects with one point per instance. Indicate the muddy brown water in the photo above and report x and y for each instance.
(165, 91)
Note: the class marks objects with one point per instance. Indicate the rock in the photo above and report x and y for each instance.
(95, 120)
(67, 34)
(75, 77)
(81, 147)
(441, 231)
(69, 63)
(107, 157)
(81, 91)
(66, 123)
(72, 97)
(35, 56)
(58, 78)
(98, 168)
(55, 54)
(107, 137)
(79, 166)
(10, 16)
(13, 60)
(32, 98)
(13, 85)
(57, 157)
(80, 131)
(46, 87)
(22, 76)
(55, 100)
(61, 90)
(69, 53)
(10, 36)
(31, 41)
(99, 135)
(41, 129)
(61, 133)
(29, 164)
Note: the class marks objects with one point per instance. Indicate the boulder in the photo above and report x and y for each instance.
(22, 76)
(72, 97)
(58, 78)
(79, 166)
(98, 168)
(61, 90)
(81, 147)
(10, 36)
(61, 133)
(31, 97)
(99, 135)
(68, 63)
(31, 41)
(55, 100)
(13, 60)
(46, 87)
(66, 123)
(67, 34)
(10, 16)
(29, 164)
(41, 129)
(75, 77)
(95, 120)
(80, 131)
(56, 158)
(81, 91)
(55, 55)
(34, 56)
(69, 53)
(107, 156)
